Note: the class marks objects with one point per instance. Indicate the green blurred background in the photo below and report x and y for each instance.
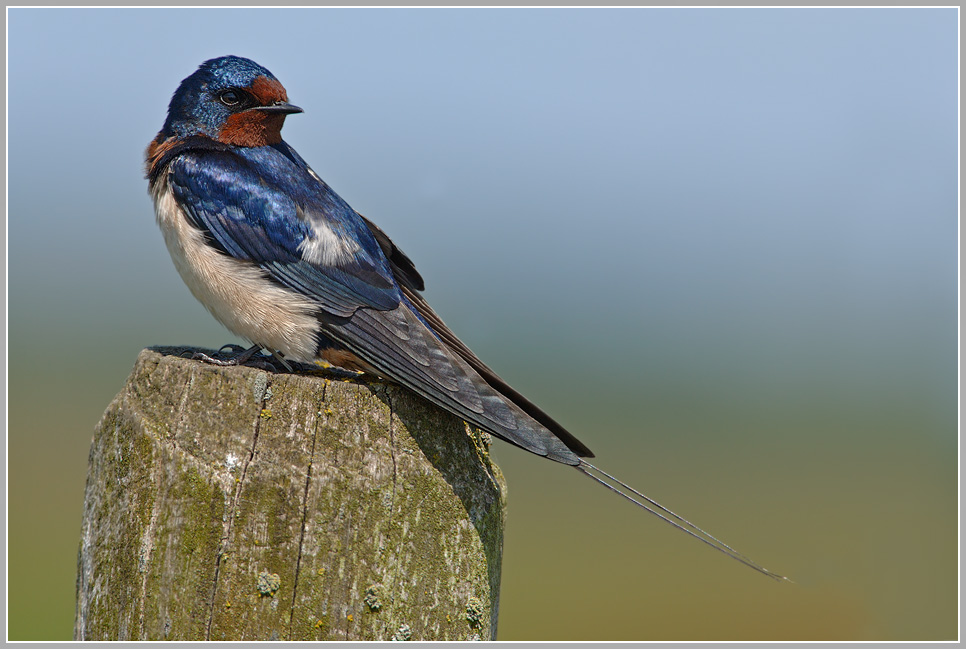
(720, 246)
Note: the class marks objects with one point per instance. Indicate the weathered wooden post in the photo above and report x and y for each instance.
(237, 504)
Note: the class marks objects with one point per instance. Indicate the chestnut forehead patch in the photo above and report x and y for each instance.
(268, 91)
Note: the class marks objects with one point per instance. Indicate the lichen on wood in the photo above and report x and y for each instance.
(231, 503)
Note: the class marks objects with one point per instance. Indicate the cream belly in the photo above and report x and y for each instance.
(239, 295)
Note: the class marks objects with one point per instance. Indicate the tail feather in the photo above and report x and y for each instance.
(413, 347)
(669, 517)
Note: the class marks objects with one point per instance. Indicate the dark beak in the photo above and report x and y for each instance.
(280, 107)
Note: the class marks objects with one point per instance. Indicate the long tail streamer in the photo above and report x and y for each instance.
(671, 518)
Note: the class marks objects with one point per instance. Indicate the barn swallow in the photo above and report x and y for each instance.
(282, 261)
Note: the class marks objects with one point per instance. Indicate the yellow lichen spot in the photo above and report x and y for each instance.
(265, 414)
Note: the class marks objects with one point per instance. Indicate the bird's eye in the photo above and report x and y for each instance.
(230, 97)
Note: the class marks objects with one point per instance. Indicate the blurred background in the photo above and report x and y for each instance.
(720, 246)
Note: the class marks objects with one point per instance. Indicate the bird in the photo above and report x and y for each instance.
(282, 261)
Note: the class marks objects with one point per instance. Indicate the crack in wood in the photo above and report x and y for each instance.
(392, 453)
(223, 549)
(305, 509)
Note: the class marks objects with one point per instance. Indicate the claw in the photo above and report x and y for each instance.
(238, 349)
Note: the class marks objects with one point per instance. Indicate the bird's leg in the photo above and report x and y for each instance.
(242, 356)
(281, 360)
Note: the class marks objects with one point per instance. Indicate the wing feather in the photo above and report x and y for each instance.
(266, 218)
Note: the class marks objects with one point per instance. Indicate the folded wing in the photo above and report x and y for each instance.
(266, 208)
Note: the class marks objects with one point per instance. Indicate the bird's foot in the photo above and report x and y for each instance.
(242, 357)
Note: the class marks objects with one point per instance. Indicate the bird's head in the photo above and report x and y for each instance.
(232, 100)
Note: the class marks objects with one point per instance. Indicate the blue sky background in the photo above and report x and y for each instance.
(719, 245)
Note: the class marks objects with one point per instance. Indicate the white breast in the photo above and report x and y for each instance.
(238, 294)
